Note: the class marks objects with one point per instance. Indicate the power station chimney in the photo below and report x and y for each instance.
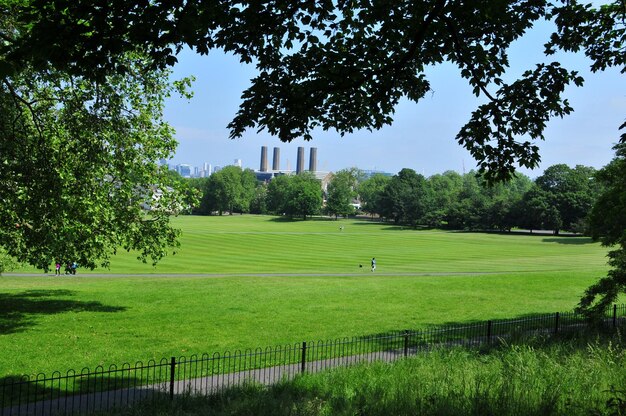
(313, 160)
(263, 159)
(300, 160)
(276, 161)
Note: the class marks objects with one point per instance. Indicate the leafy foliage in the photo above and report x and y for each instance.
(79, 172)
(370, 192)
(571, 192)
(295, 195)
(608, 224)
(469, 202)
(341, 192)
(340, 65)
(405, 198)
(231, 189)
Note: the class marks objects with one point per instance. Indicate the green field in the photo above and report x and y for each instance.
(257, 281)
(269, 245)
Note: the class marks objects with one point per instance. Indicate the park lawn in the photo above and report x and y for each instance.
(69, 323)
(256, 281)
(270, 245)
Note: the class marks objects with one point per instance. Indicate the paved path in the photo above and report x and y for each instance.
(95, 402)
(217, 275)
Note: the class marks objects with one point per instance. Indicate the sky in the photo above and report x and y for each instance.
(422, 134)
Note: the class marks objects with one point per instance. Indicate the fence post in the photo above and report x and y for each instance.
(406, 343)
(614, 315)
(489, 332)
(303, 361)
(172, 372)
(556, 323)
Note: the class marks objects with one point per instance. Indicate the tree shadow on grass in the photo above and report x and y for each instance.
(18, 311)
(75, 393)
(296, 218)
(578, 241)
(523, 328)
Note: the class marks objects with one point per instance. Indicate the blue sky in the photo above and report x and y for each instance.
(422, 134)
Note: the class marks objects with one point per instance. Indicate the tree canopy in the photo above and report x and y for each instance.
(79, 171)
(340, 65)
(608, 224)
(341, 192)
(231, 190)
(295, 195)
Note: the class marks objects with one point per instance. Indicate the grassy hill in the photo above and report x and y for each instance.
(261, 245)
(257, 281)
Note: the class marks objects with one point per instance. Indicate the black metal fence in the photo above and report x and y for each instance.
(102, 388)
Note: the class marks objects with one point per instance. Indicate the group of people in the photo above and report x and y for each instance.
(70, 268)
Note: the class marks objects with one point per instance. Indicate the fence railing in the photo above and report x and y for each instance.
(100, 389)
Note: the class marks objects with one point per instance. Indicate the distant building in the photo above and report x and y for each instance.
(369, 173)
(266, 175)
(184, 170)
(276, 160)
(206, 170)
(300, 160)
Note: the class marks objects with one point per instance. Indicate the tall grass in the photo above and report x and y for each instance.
(571, 377)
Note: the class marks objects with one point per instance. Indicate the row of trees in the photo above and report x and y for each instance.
(235, 190)
(576, 199)
(559, 199)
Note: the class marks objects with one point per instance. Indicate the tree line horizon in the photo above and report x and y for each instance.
(559, 199)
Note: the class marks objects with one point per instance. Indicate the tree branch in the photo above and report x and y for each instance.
(418, 37)
(27, 104)
(461, 53)
(396, 66)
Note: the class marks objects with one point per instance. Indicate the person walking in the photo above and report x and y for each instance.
(57, 268)
(373, 263)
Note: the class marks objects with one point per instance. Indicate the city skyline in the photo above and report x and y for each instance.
(207, 168)
(422, 136)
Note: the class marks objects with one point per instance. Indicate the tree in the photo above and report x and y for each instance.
(445, 188)
(463, 214)
(295, 195)
(200, 186)
(371, 191)
(532, 209)
(339, 65)
(608, 224)
(570, 193)
(230, 190)
(341, 192)
(406, 197)
(304, 196)
(258, 204)
(78, 166)
(277, 194)
(502, 203)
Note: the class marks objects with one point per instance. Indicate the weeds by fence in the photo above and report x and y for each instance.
(90, 391)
